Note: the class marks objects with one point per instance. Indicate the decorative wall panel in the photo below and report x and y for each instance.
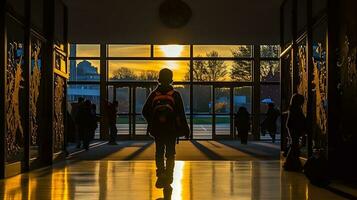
(319, 90)
(14, 90)
(14, 83)
(302, 79)
(36, 95)
(35, 83)
(348, 88)
(58, 121)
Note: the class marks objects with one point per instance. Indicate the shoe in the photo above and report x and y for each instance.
(167, 192)
(160, 182)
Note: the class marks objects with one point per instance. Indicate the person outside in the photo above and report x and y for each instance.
(165, 115)
(75, 107)
(269, 124)
(242, 124)
(84, 118)
(112, 110)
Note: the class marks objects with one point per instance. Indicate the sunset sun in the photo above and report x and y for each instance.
(172, 50)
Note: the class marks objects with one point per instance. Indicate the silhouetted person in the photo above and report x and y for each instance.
(112, 120)
(269, 124)
(84, 118)
(74, 111)
(164, 112)
(94, 121)
(242, 124)
(71, 129)
(296, 125)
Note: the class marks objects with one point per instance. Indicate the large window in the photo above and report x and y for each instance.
(213, 80)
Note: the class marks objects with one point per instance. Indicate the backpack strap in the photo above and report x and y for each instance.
(166, 96)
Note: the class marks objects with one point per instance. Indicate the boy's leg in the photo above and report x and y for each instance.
(159, 157)
(113, 133)
(170, 158)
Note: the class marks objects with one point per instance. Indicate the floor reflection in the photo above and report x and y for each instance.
(136, 180)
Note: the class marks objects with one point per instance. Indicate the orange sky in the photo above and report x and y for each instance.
(179, 68)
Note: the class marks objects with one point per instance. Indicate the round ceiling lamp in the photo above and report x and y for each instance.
(174, 13)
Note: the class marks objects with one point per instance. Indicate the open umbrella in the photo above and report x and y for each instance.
(267, 100)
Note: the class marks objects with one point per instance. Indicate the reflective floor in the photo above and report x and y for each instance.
(136, 179)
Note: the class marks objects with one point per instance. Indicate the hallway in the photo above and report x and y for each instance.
(204, 170)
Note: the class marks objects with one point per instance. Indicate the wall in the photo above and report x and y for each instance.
(347, 54)
(137, 21)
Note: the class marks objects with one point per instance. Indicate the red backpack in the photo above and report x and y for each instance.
(163, 111)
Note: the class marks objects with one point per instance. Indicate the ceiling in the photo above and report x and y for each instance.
(137, 22)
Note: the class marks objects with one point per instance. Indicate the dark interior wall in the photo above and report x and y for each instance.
(347, 53)
(137, 21)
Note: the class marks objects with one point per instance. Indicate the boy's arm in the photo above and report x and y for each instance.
(147, 107)
(180, 109)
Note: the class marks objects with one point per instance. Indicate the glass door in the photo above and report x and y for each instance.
(202, 112)
(122, 94)
(242, 97)
(223, 112)
(140, 125)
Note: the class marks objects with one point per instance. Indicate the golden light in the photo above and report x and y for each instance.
(171, 50)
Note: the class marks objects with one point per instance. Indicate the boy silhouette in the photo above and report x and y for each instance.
(165, 115)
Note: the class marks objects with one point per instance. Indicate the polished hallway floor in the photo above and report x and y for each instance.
(204, 170)
(186, 150)
(241, 180)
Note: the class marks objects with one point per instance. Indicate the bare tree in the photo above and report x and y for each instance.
(241, 69)
(269, 70)
(216, 69)
(123, 73)
(149, 75)
(199, 70)
(210, 70)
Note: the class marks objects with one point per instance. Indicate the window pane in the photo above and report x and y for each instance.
(84, 70)
(118, 50)
(110, 93)
(171, 51)
(222, 51)
(218, 70)
(222, 104)
(140, 125)
(202, 99)
(141, 96)
(146, 70)
(202, 127)
(88, 92)
(123, 124)
(269, 94)
(269, 51)
(122, 96)
(242, 97)
(223, 124)
(184, 90)
(84, 50)
(269, 71)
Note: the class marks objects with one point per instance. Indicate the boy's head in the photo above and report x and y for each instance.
(165, 76)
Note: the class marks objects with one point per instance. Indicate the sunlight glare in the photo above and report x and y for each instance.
(172, 50)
